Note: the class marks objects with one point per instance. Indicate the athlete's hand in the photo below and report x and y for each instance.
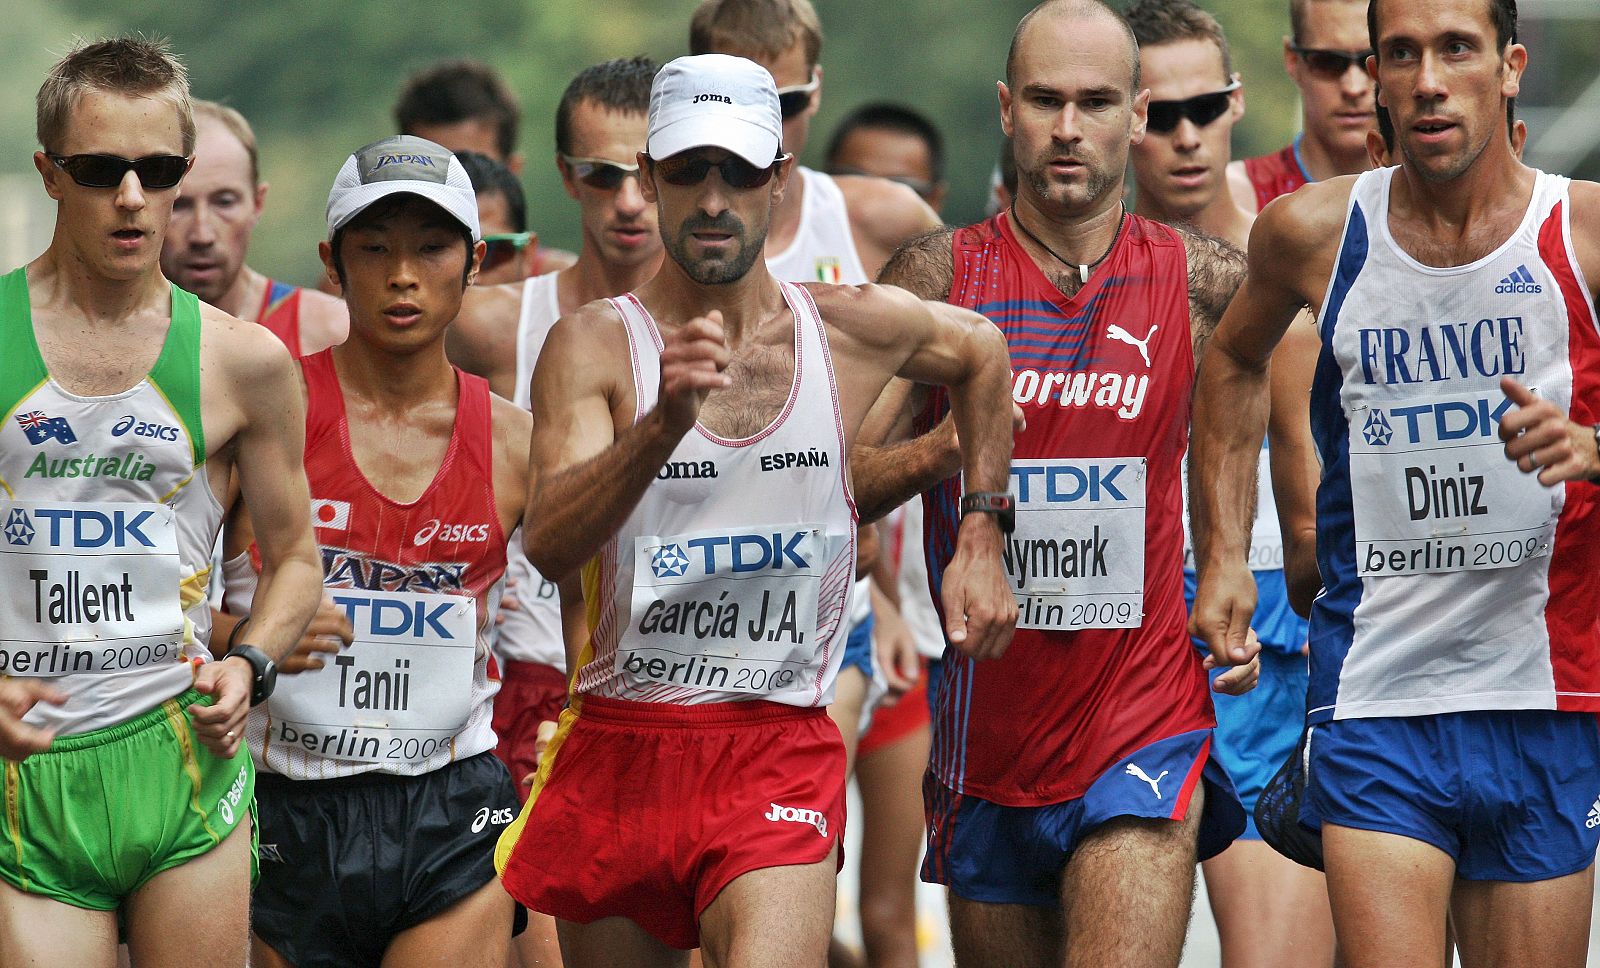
(693, 358)
(220, 725)
(1539, 437)
(1241, 678)
(509, 602)
(18, 740)
(895, 648)
(329, 631)
(1223, 605)
(980, 613)
(541, 742)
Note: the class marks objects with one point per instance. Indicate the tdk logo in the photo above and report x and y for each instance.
(19, 527)
(140, 428)
(386, 160)
(737, 554)
(1065, 484)
(1436, 422)
(382, 617)
(702, 98)
(85, 528)
(1519, 281)
(1377, 430)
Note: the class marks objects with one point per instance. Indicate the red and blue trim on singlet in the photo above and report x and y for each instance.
(280, 314)
(1277, 174)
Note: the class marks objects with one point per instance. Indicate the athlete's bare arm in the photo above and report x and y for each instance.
(589, 462)
(889, 465)
(1292, 247)
(324, 321)
(19, 740)
(255, 426)
(1293, 459)
(877, 332)
(883, 215)
(483, 338)
(1538, 436)
(512, 427)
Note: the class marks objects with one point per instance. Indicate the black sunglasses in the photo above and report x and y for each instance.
(690, 169)
(796, 98)
(502, 247)
(1331, 64)
(107, 171)
(1202, 109)
(599, 172)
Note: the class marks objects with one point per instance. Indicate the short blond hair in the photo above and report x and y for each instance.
(766, 28)
(235, 124)
(136, 66)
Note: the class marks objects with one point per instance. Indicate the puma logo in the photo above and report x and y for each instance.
(1123, 336)
(1133, 770)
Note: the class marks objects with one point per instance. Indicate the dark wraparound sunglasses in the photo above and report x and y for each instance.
(599, 172)
(501, 247)
(1331, 64)
(691, 169)
(107, 171)
(797, 97)
(1202, 109)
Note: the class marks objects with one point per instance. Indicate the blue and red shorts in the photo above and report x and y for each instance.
(992, 853)
(648, 810)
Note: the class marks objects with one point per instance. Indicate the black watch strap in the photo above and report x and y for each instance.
(266, 671)
(1003, 506)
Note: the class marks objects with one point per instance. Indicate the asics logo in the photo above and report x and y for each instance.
(485, 816)
(799, 815)
(1134, 771)
(1123, 336)
(457, 533)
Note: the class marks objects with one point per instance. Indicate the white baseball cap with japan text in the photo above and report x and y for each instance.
(403, 163)
(715, 101)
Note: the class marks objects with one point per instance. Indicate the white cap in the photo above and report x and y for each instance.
(715, 101)
(403, 163)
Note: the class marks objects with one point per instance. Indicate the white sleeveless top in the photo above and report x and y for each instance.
(1454, 581)
(823, 250)
(729, 580)
(108, 521)
(532, 631)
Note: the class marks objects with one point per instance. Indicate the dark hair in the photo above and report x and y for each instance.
(765, 28)
(1081, 8)
(489, 177)
(883, 116)
(1502, 13)
(1157, 22)
(453, 91)
(621, 85)
(386, 207)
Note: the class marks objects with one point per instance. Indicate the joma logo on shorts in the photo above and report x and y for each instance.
(799, 815)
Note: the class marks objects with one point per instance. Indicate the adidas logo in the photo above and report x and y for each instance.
(1594, 815)
(1519, 281)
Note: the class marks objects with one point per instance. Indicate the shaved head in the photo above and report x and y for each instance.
(1075, 10)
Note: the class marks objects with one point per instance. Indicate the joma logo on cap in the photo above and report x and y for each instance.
(386, 160)
(698, 98)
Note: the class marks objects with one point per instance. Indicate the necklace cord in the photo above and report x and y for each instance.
(1083, 268)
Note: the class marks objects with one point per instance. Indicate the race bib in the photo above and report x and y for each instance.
(1266, 537)
(732, 611)
(1433, 490)
(1076, 558)
(90, 588)
(398, 694)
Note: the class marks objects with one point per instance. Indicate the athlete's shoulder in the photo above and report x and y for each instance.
(511, 426)
(1240, 185)
(885, 211)
(483, 337)
(1303, 221)
(243, 349)
(924, 264)
(324, 321)
(1585, 221)
(591, 335)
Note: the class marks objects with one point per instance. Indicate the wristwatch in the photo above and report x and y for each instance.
(1002, 506)
(266, 671)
